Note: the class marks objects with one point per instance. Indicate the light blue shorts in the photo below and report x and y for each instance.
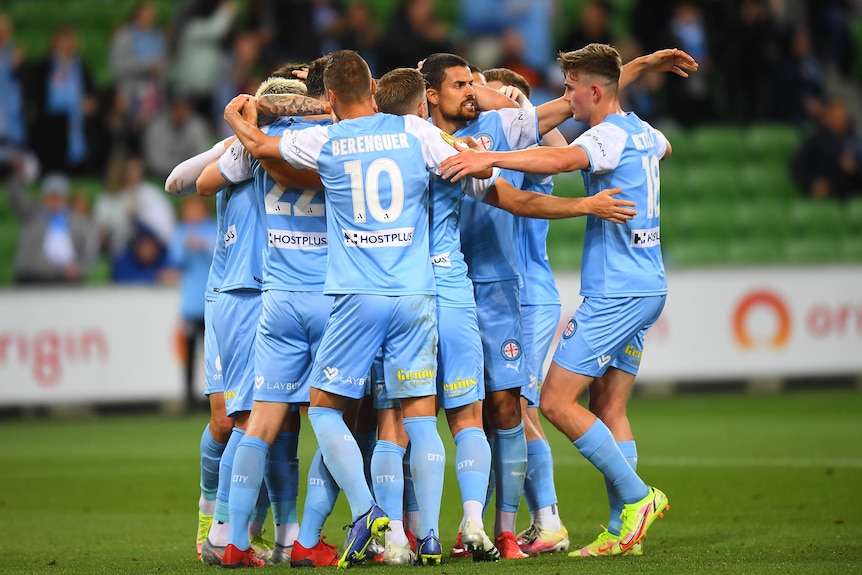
(539, 324)
(235, 318)
(378, 385)
(608, 332)
(404, 326)
(460, 375)
(212, 363)
(498, 309)
(291, 325)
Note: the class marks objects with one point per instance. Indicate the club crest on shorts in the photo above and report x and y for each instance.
(570, 330)
(511, 350)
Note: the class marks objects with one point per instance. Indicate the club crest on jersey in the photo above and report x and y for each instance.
(511, 350)
(570, 330)
(485, 140)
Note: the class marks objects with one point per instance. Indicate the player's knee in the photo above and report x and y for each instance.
(221, 427)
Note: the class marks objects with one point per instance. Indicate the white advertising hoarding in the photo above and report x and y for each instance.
(89, 345)
(119, 344)
(750, 323)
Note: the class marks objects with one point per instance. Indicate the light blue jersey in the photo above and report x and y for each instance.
(216, 274)
(623, 260)
(531, 234)
(377, 200)
(243, 228)
(295, 258)
(487, 232)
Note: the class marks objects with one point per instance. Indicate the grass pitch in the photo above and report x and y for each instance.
(757, 484)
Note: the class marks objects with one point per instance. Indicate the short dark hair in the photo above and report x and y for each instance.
(314, 80)
(286, 70)
(435, 66)
(508, 78)
(347, 74)
(399, 91)
(594, 59)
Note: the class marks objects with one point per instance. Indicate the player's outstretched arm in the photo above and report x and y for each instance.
(182, 178)
(211, 180)
(540, 160)
(535, 205)
(241, 115)
(289, 177)
(271, 107)
(490, 99)
(667, 60)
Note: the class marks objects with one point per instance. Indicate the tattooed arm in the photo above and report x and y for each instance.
(273, 106)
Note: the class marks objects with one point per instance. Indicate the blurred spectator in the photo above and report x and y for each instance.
(798, 89)
(199, 39)
(691, 99)
(285, 29)
(239, 73)
(190, 255)
(55, 245)
(143, 261)
(828, 164)
(649, 20)
(138, 60)
(13, 131)
(414, 33)
(831, 32)
(178, 131)
(62, 106)
(643, 95)
(360, 33)
(593, 27)
(754, 50)
(129, 198)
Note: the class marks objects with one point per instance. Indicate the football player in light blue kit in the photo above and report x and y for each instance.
(235, 317)
(460, 386)
(374, 168)
(622, 281)
(540, 315)
(294, 314)
(217, 432)
(487, 245)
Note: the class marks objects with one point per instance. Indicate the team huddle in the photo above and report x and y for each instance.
(383, 258)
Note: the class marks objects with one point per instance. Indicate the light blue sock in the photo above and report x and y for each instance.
(225, 468)
(387, 475)
(211, 452)
(539, 488)
(492, 477)
(249, 463)
(281, 481)
(428, 466)
(599, 447)
(262, 508)
(630, 452)
(319, 501)
(472, 463)
(342, 457)
(410, 502)
(366, 440)
(510, 466)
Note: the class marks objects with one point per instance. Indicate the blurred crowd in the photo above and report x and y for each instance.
(790, 61)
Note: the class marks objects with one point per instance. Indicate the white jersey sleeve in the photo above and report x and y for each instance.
(301, 148)
(521, 126)
(437, 146)
(235, 164)
(604, 145)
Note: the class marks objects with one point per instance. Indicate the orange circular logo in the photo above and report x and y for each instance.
(761, 299)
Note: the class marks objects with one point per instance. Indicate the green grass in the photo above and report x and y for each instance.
(757, 484)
